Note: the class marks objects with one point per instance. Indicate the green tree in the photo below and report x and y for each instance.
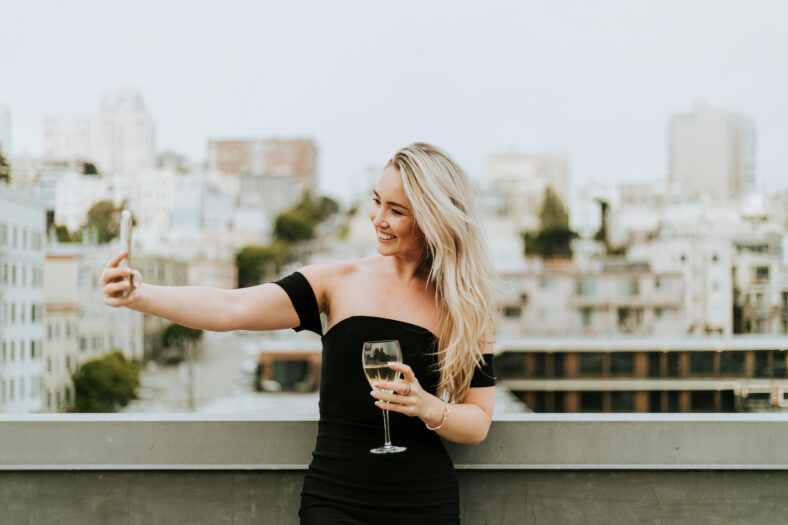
(554, 238)
(5, 168)
(176, 337)
(294, 226)
(257, 263)
(553, 212)
(105, 384)
(88, 168)
(104, 217)
(62, 233)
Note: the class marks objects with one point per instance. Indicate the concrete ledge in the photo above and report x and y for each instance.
(522, 442)
(601, 469)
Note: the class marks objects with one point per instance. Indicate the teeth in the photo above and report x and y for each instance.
(385, 236)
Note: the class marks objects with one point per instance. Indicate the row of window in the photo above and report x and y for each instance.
(59, 402)
(13, 389)
(32, 313)
(9, 353)
(762, 364)
(54, 332)
(624, 401)
(21, 238)
(21, 274)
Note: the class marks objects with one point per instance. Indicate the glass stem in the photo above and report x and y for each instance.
(386, 426)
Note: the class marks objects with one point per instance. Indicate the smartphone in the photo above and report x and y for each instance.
(125, 245)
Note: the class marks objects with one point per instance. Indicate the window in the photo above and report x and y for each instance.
(83, 344)
(664, 314)
(13, 351)
(3, 356)
(585, 286)
(629, 287)
(702, 362)
(585, 317)
(622, 401)
(630, 319)
(591, 401)
(714, 258)
(547, 283)
(762, 273)
(654, 364)
(702, 401)
(732, 362)
(622, 363)
(512, 311)
(591, 363)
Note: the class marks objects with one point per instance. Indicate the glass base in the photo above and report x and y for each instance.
(388, 449)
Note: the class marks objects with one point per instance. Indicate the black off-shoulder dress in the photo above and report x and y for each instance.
(345, 482)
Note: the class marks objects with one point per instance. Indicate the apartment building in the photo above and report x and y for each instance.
(22, 227)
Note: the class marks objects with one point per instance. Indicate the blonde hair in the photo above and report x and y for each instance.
(456, 258)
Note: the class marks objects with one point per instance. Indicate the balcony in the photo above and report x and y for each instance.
(534, 468)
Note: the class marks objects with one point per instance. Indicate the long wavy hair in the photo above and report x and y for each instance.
(455, 259)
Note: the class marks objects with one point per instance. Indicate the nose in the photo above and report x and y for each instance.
(378, 218)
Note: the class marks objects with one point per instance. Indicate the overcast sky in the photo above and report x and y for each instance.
(595, 80)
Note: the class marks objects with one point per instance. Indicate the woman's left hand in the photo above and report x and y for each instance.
(408, 397)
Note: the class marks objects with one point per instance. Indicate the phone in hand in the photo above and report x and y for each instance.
(125, 245)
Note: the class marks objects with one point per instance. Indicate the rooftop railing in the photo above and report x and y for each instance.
(532, 468)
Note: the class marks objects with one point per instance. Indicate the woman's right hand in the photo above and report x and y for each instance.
(115, 281)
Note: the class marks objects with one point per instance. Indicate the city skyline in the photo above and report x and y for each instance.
(598, 84)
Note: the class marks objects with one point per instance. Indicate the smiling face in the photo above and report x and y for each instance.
(392, 216)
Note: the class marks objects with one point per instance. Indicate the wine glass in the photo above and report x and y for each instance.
(375, 358)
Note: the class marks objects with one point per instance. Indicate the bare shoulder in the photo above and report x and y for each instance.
(324, 278)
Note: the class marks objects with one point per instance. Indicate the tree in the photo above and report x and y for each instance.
(88, 168)
(554, 238)
(104, 217)
(62, 233)
(293, 226)
(105, 384)
(553, 212)
(257, 263)
(5, 168)
(176, 337)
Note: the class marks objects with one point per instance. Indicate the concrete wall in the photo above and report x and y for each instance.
(532, 469)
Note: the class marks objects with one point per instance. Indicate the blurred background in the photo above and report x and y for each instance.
(629, 161)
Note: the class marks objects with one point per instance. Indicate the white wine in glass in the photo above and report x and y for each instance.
(375, 358)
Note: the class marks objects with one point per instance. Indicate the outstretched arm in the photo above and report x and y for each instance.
(263, 307)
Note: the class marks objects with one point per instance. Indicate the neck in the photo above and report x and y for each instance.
(406, 269)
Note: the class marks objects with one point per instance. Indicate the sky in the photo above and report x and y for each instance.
(597, 81)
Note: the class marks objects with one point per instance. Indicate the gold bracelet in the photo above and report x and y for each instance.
(445, 418)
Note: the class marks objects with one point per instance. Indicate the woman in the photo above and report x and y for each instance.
(432, 288)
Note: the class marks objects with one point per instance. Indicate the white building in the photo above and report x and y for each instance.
(73, 273)
(75, 194)
(523, 180)
(22, 230)
(5, 131)
(712, 153)
(704, 260)
(560, 298)
(119, 138)
(760, 280)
